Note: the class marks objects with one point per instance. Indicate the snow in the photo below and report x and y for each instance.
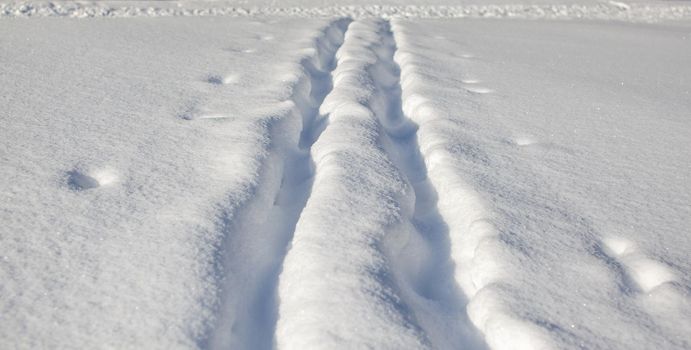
(115, 190)
(634, 11)
(364, 196)
(232, 174)
(566, 180)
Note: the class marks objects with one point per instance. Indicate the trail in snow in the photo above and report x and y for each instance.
(424, 262)
(261, 187)
(371, 218)
(338, 288)
(248, 314)
(470, 232)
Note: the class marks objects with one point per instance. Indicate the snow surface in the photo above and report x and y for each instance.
(634, 11)
(307, 181)
(125, 156)
(563, 164)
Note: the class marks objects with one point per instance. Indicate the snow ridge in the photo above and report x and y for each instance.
(603, 11)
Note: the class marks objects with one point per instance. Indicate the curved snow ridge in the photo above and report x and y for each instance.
(258, 223)
(604, 11)
(476, 248)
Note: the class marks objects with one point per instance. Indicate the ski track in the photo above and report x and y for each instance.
(358, 230)
(371, 218)
(341, 242)
(338, 288)
(259, 234)
(473, 239)
(424, 263)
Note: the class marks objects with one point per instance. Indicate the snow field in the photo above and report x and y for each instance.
(521, 175)
(363, 182)
(122, 173)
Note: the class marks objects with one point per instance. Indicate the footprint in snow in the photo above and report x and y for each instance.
(479, 90)
(211, 116)
(239, 50)
(648, 273)
(203, 115)
(215, 79)
(525, 140)
(534, 144)
(78, 180)
(195, 113)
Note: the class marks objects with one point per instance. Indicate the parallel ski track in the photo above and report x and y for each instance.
(407, 294)
(342, 243)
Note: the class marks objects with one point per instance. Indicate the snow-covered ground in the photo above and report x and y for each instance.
(636, 10)
(232, 175)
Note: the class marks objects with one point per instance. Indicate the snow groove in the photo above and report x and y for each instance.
(258, 236)
(424, 262)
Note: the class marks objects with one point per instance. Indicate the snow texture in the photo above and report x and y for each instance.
(646, 11)
(563, 173)
(381, 180)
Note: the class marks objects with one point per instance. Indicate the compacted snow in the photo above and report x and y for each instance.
(239, 177)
